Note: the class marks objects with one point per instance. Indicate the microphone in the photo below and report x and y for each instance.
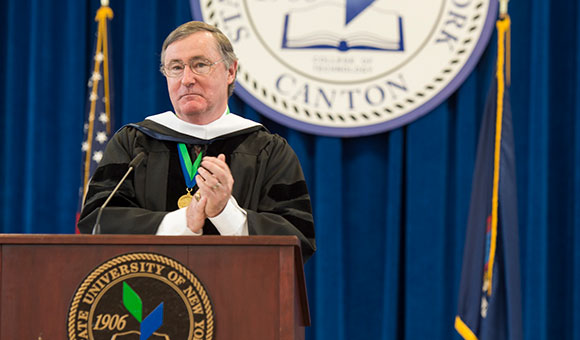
(134, 163)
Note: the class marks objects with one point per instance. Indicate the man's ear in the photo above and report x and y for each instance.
(232, 72)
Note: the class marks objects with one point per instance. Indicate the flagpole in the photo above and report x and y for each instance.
(104, 13)
(503, 14)
(503, 7)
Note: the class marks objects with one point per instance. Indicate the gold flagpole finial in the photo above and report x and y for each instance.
(104, 12)
(503, 8)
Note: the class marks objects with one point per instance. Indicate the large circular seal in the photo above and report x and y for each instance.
(350, 67)
(141, 296)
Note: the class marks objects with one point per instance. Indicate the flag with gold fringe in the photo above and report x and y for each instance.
(97, 126)
(489, 305)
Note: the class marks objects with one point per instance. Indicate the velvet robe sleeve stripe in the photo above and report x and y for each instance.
(288, 191)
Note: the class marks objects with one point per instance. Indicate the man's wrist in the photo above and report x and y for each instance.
(233, 220)
(175, 224)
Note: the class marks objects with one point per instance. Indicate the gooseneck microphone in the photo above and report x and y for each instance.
(134, 163)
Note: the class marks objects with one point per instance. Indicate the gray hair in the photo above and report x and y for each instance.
(224, 45)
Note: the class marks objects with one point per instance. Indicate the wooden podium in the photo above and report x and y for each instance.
(256, 284)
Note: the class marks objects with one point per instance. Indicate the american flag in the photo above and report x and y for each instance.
(97, 126)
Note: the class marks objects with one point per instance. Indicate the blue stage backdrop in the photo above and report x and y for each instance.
(390, 209)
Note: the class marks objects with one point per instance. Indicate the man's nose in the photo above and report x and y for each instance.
(188, 77)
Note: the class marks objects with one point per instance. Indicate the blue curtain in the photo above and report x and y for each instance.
(390, 209)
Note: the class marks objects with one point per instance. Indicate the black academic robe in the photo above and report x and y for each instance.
(268, 182)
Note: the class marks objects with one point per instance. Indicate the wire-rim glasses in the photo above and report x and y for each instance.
(176, 68)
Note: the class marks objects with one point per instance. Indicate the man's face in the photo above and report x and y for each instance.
(199, 99)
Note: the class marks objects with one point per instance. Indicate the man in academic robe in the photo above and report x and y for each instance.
(206, 171)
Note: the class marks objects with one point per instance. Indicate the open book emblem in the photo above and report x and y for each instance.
(385, 32)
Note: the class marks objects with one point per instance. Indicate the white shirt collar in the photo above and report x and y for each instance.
(224, 125)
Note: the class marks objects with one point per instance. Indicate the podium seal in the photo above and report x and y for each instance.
(141, 296)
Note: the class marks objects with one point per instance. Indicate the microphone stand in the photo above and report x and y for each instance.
(134, 163)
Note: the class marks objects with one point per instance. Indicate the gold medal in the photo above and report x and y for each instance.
(184, 200)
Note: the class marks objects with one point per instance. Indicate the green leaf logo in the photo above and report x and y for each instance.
(132, 302)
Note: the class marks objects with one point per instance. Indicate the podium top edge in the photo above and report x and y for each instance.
(82, 239)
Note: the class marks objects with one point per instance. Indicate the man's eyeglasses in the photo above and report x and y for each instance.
(176, 68)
